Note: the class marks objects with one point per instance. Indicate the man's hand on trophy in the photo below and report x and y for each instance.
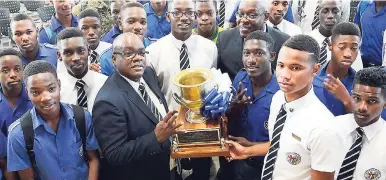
(241, 140)
(167, 127)
(237, 151)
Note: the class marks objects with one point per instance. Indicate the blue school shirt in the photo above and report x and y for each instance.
(157, 27)
(253, 120)
(111, 35)
(58, 155)
(46, 52)
(335, 106)
(56, 27)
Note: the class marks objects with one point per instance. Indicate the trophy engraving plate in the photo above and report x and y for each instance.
(199, 136)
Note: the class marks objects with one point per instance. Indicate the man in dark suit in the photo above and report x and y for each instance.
(127, 115)
(251, 16)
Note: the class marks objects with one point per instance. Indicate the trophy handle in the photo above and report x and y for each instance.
(179, 100)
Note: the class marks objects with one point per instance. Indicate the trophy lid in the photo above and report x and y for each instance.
(192, 77)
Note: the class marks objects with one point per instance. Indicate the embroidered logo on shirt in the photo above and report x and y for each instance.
(293, 158)
(81, 151)
(266, 125)
(372, 174)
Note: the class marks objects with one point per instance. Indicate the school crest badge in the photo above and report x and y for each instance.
(80, 151)
(293, 158)
(266, 125)
(373, 174)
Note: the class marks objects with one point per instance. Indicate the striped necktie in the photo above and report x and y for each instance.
(315, 23)
(323, 51)
(350, 160)
(184, 58)
(275, 27)
(93, 57)
(148, 101)
(82, 98)
(222, 13)
(269, 165)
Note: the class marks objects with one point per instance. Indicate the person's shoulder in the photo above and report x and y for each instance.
(278, 34)
(15, 130)
(241, 75)
(203, 41)
(229, 32)
(162, 42)
(50, 47)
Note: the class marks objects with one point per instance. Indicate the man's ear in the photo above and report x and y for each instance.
(273, 56)
(168, 17)
(315, 69)
(114, 59)
(329, 45)
(266, 16)
(120, 24)
(59, 55)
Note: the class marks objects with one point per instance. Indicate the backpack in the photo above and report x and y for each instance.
(28, 132)
(51, 34)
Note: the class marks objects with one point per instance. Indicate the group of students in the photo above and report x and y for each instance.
(304, 87)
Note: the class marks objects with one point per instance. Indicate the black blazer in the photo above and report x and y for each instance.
(124, 127)
(230, 49)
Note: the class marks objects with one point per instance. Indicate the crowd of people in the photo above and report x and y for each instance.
(77, 103)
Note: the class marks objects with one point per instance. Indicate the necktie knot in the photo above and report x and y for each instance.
(80, 84)
(141, 87)
(93, 57)
(82, 98)
(359, 131)
(326, 41)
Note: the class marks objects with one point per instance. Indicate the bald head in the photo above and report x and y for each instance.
(260, 5)
(126, 40)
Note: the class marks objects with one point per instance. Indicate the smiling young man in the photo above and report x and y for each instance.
(57, 144)
(206, 20)
(334, 81)
(24, 33)
(302, 145)
(277, 10)
(363, 132)
(115, 9)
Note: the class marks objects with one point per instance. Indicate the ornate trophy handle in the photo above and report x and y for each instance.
(179, 100)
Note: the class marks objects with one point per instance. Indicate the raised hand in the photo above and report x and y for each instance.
(167, 127)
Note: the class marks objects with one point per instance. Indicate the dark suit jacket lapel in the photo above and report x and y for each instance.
(133, 96)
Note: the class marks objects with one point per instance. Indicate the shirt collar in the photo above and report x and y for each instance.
(23, 94)
(55, 24)
(115, 31)
(214, 37)
(88, 79)
(149, 10)
(42, 52)
(323, 71)
(370, 130)
(270, 87)
(37, 120)
(301, 102)
(178, 43)
(279, 26)
(133, 84)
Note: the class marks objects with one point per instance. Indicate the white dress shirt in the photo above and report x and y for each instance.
(164, 57)
(303, 17)
(160, 107)
(356, 65)
(69, 93)
(287, 27)
(371, 162)
(306, 141)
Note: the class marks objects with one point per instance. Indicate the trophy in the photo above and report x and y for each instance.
(203, 136)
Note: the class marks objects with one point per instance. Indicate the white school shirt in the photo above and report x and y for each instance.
(164, 57)
(306, 141)
(69, 93)
(287, 27)
(303, 17)
(356, 65)
(371, 162)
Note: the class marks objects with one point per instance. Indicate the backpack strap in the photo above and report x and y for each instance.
(29, 136)
(50, 34)
(81, 126)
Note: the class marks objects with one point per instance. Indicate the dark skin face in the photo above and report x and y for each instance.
(368, 104)
(181, 26)
(345, 49)
(206, 18)
(277, 10)
(294, 72)
(158, 5)
(74, 53)
(62, 7)
(127, 57)
(115, 10)
(25, 36)
(44, 92)
(257, 58)
(330, 14)
(133, 20)
(11, 71)
(92, 30)
(251, 17)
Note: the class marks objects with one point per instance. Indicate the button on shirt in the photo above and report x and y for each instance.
(58, 155)
(68, 94)
(157, 26)
(333, 104)
(287, 27)
(253, 120)
(46, 52)
(306, 141)
(371, 162)
(111, 35)
(356, 65)
(164, 57)
(56, 27)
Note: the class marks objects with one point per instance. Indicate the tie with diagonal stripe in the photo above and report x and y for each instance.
(315, 23)
(93, 57)
(148, 101)
(184, 58)
(275, 27)
(269, 165)
(350, 160)
(222, 13)
(82, 98)
(323, 51)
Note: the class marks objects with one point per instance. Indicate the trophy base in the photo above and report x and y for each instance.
(194, 118)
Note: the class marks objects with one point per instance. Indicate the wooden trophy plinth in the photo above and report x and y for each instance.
(205, 139)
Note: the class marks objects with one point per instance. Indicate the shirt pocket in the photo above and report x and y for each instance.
(295, 150)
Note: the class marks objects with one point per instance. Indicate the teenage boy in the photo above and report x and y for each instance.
(57, 143)
(335, 79)
(277, 10)
(302, 145)
(115, 9)
(363, 132)
(206, 20)
(157, 24)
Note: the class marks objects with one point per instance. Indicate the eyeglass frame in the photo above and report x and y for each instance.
(247, 15)
(131, 57)
(194, 15)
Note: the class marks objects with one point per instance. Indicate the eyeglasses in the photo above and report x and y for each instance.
(251, 16)
(178, 14)
(133, 54)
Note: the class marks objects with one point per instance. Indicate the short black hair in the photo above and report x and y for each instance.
(89, 12)
(130, 5)
(304, 43)
(263, 36)
(10, 52)
(208, 1)
(37, 67)
(373, 77)
(22, 16)
(345, 28)
(69, 33)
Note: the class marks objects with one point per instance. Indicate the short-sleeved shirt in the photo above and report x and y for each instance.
(253, 120)
(157, 26)
(46, 52)
(3, 146)
(58, 155)
(111, 35)
(333, 104)
(56, 27)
